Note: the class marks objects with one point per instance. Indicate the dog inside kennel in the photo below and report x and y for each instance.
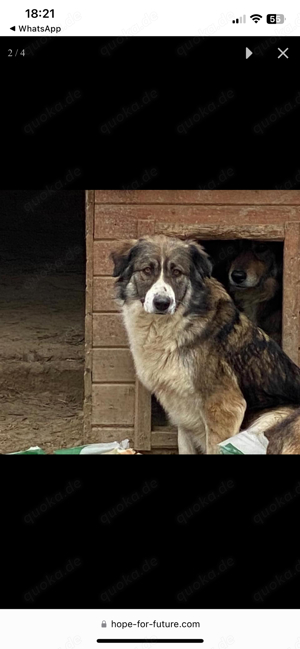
(42, 287)
(251, 272)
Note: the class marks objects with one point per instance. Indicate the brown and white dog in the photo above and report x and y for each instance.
(256, 287)
(202, 358)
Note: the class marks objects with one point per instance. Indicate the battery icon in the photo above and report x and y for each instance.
(275, 19)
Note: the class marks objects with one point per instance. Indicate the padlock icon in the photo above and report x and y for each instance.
(103, 623)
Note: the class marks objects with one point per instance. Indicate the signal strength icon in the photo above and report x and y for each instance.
(256, 18)
(242, 19)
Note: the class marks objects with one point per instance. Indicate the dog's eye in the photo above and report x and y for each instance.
(147, 270)
(176, 272)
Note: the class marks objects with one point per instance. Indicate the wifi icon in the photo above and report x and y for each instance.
(256, 18)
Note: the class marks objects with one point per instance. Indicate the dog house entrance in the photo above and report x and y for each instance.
(223, 243)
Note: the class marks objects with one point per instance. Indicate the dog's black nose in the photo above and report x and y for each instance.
(161, 303)
(238, 276)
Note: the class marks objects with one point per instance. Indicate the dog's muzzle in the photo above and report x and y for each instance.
(160, 299)
(238, 277)
(162, 303)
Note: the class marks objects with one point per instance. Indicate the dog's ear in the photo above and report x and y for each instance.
(122, 256)
(200, 261)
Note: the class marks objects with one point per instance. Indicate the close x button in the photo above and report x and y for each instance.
(282, 53)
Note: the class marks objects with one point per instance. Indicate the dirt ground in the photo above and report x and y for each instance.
(42, 301)
(41, 360)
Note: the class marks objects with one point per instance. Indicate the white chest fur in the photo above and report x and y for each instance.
(156, 346)
(154, 342)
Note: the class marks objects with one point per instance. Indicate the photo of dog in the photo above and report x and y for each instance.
(205, 361)
(255, 284)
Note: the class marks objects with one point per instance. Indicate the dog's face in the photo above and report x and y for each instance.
(252, 266)
(161, 273)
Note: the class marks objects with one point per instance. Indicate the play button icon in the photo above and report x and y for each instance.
(248, 53)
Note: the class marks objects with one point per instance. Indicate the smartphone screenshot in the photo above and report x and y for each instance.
(149, 296)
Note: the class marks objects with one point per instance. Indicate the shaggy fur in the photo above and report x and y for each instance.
(203, 360)
(284, 436)
(255, 284)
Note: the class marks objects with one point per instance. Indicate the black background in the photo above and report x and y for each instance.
(113, 74)
(245, 527)
(186, 74)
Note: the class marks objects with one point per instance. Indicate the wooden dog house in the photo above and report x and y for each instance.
(116, 404)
